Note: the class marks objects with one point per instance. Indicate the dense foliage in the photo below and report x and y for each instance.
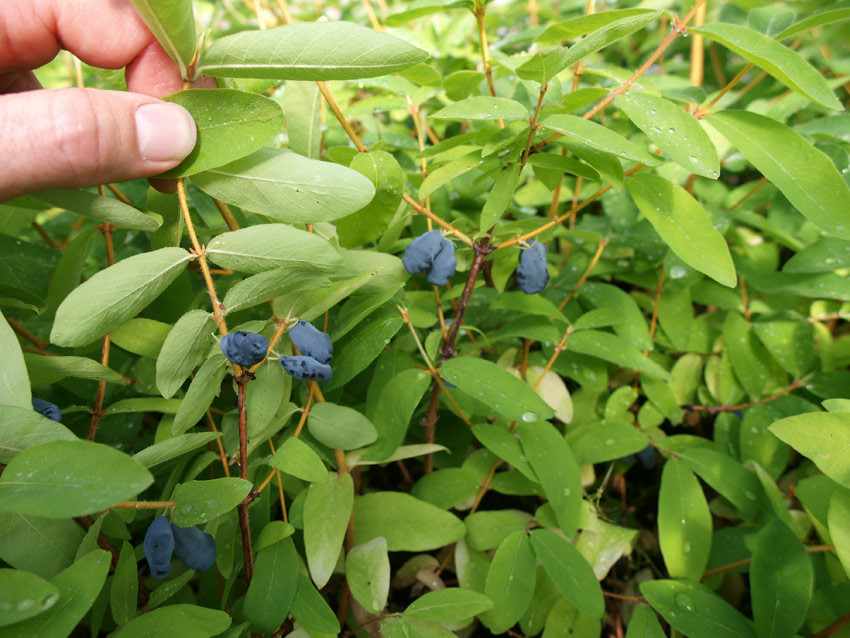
(611, 399)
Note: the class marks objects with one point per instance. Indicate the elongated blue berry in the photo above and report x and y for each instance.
(244, 348)
(421, 252)
(194, 548)
(47, 409)
(647, 457)
(306, 368)
(159, 545)
(443, 265)
(532, 275)
(312, 342)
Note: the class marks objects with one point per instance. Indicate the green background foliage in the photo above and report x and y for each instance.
(655, 444)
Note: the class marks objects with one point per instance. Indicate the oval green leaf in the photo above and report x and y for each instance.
(197, 502)
(340, 427)
(98, 207)
(596, 136)
(327, 510)
(684, 522)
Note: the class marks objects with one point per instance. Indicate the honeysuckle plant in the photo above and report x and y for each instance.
(653, 444)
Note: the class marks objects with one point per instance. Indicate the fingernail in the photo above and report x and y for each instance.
(166, 132)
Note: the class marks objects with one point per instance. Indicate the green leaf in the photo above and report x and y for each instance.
(273, 587)
(824, 255)
(362, 345)
(644, 624)
(805, 175)
(373, 215)
(838, 518)
(173, 25)
(420, 8)
(545, 66)
(695, 610)
(783, 63)
(24, 595)
(674, 131)
(142, 404)
(311, 610)
(124, 587)
(197, 502)
(99, 207)
(43, 546)
(600, 442)
(200, 395)
(563, 164)
(823, 17)
(481, 107)
(298, 459)
(596, 136)
(69, 478)
(533, 304)
(819, 436)
(327, 510)
(308, 305)
(189, 621)
(584, 24)
(726, 475)
(182, 350)
(338, 426)
(749, 358)
(45, 370)
(141, 336)
(510, 582)
(14, 382)
(792, 344)
(448, 605)
(452, 170)
(114, 295)
(506, 394)
(172, 448)
(269, 246)
(500, 195)
(614, 349)
(630, 323)
(504, 445)
(394, 410)
(287, 187)
(408, 524)
(267, 285)
(684, 522)
(309, 51)
(447, 487)
(555, 466)
(367, 572)
(302, 108)
(684, 226)
(78, 587)
(781, 580)
(231, 124)
(770, 20)
(69, 270)
(264, 395)
(570, 571)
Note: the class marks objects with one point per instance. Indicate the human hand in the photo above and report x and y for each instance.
(83, 137)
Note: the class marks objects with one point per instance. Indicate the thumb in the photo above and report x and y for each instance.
(68, 138)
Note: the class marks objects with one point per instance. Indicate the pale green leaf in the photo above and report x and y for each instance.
(684, 522)
(510, 582)
(173, 447)
(820, 436)
(99, 207)
(339, 426)
(367, 572)
(173, 25)
(14, 382)
(302, 108)
(596, 136)
(197, 502)
(448, 605)
(327, 510)
(24, 595)
(189, 621)
(182, 350)
(481, 107)
(373, 215)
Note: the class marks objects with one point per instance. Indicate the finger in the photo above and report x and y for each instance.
(18, 82)
(83, 137)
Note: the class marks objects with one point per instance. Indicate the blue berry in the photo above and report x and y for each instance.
(196, 549)
(443, 265)
(159, 545)
(244, 348)
(647, 457)
(47, 409)
(306, 368)
(532, 275)
(312, 342)
(421, 252)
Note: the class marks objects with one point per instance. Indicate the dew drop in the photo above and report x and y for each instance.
(677, 272)
(684, 602)
(25, 604)
(671, 130)
(50, 600)
(529, 417)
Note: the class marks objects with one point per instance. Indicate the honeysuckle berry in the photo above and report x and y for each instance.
(532, 274)
(47, 409)
(443, 265)
(244, 348)
(420, 253)
(311, 341)
(158, 546)
(306, 368)
(194, 548)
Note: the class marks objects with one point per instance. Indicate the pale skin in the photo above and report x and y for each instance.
(70, 138)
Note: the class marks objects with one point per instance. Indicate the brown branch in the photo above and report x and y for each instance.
(18, 327)
(811, 549)
(45, 236)
(714, 409)
(244, 524)
(226, 214)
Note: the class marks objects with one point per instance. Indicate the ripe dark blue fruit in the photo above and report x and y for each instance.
(443, 265)
(159, 545)
(47, 409)
(647, 457)
(196, 549)
(306, 368)
(532, 275)
(421, 252)
(312, 342)
(244, 348)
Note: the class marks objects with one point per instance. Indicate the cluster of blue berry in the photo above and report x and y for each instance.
(194, 548)
(249, 348)
(434, 254)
